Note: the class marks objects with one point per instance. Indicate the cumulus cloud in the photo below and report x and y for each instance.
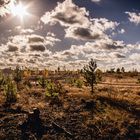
(27, 31)
(27, 50)
(12, 47)
(104, 24)
(103, 50)
(37, 47)
(82, 33)
(48, 41)
(122, 31)
(35, 38)
(5, 6)
(113, 45)
(118, 55)
(77, 21)
(66, 13)
(71, 14)
(95, 0)
(134, 17)
(107, 52)
(135, 56)
(95, 30)
(24, 40)
(51, 40)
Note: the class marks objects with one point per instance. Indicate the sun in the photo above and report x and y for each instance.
(19, 10)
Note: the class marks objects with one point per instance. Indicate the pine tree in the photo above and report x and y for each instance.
(18, 76)
(90, 74)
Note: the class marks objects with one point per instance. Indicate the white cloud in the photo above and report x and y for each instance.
(67, 13)
(104, 24)
(77, 22)
(101, 50)
(96, 1)
(5, 6)
(39, 46)
(51, 40)
(135, 56)
(107, 52)
(12, 47)
(27, 50)
(122, 31)
(35, 38)
(27, 31)
(82, 33)
(134, 17)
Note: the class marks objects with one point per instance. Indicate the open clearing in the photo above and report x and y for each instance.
(112, 112)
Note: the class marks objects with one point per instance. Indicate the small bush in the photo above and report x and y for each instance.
(138, 80)
(99, 74)
(53, 89)
(75, 82)
(2, 80)
(10, 91)
(79, 83)
(18, 75)
(42, 82)
(28, 84)
(71, 81)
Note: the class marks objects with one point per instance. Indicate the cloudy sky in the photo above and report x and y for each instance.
(52, 33)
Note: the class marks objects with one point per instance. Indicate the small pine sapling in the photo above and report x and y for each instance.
(43, 82)
(2, 80)
(10, 91)
(99, 74)
(18, 76)
(90, 74)
(79, 83)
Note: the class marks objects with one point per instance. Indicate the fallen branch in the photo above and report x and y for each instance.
(61, 129)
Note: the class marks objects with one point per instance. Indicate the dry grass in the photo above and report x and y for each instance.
(112, 112)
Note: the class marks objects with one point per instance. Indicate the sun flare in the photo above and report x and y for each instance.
(19, 10)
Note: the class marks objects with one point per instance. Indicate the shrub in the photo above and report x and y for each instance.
(42, 82)
(99, 75)
(10, 91)
(2, 79)
(123, 70)
(79, 83)
(75, 82)
(18, 76)
(120, 76)
(72, 81)
(53, 89)
(28, 83)
(138, 80)
(27, 73)
(118, 70)
(45, 73)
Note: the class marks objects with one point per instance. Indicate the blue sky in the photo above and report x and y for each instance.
(115, 10)
(70, 32)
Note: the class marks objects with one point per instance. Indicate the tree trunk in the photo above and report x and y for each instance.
(17, 85)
